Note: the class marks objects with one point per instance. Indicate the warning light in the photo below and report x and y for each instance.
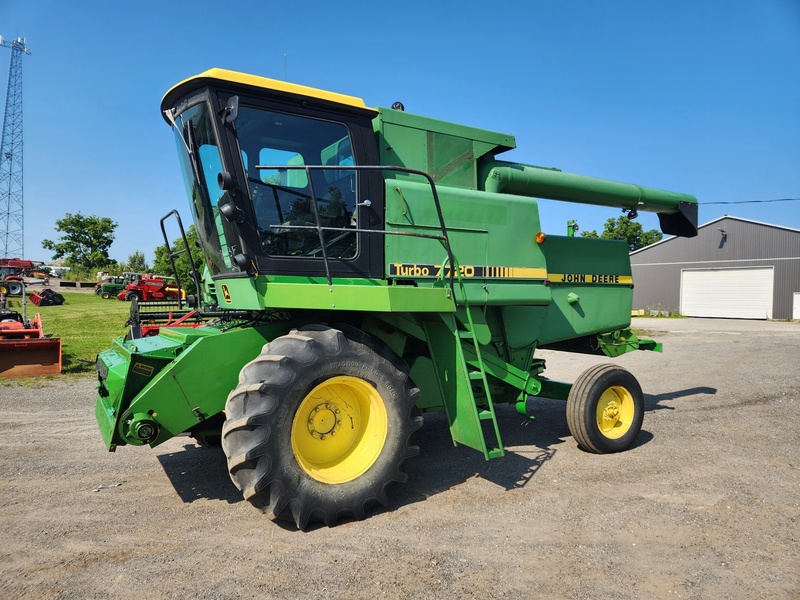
(541, 237)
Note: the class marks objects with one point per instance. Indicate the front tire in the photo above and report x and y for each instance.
(605, 409)
(319, 425)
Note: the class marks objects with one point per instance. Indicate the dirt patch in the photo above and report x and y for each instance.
(705, 505)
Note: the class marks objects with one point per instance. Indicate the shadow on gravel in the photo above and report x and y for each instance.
(197, 472)
(440, 465)
(651, 401)
(643, 438)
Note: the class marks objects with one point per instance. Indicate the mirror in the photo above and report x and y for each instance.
(231, 110)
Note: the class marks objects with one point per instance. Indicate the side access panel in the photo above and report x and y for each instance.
(591, 286)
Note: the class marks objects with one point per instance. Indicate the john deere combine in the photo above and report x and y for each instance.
(365, 266)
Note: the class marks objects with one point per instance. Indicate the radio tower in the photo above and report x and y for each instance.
(12, 240)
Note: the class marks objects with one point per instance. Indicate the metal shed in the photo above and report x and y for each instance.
(734, 268)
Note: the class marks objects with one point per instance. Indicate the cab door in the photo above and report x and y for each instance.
(301, 168)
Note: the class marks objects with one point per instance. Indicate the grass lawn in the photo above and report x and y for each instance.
(85, 323)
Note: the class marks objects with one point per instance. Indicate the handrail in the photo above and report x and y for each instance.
(320, 229)
(185, 250)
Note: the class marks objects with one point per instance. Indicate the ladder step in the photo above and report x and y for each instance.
(496, 453)
(467, 335)
(475, 375)
(485, 415)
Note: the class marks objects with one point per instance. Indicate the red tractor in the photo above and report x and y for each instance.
(12, 271)
(150, 287)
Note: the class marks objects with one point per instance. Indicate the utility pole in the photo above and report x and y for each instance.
(12, 229)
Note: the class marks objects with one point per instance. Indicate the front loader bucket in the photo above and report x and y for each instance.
(30, 357)
(24, 349)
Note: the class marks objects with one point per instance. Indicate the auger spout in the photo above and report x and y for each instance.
(677, 212)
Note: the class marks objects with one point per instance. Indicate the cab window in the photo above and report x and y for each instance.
(282, 197)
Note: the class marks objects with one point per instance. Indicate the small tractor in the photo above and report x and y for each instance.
(25, 350)
(366, 266)
(149, 288)
(109, 287)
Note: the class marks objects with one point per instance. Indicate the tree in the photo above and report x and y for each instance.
(85, 240)
(162, 265)
(630, 232)
(136, 262)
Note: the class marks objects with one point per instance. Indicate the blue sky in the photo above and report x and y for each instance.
(696, 96)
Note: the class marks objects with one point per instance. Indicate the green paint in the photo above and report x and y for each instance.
(178, 392)
(468, 346)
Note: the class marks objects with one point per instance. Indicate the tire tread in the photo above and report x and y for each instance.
(249, 440)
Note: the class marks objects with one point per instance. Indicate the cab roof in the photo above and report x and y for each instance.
(254, 81)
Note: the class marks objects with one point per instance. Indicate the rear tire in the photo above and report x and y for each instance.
(14, 287)
(131, 295)
(319, 425)
(605, 409)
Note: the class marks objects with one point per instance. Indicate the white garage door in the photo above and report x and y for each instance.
(732, 293)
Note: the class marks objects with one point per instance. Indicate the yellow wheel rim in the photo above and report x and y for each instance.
(615, 411)
(339, 429)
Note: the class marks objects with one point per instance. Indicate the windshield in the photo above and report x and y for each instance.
(200, 165)
(282, 198)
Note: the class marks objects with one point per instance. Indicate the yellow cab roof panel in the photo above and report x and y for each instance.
(265, 83)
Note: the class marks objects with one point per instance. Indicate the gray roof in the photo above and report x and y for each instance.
(717, 220)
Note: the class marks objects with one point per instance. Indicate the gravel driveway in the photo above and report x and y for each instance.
(706, 505)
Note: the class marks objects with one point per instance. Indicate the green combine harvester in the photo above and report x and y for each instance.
(364, 267)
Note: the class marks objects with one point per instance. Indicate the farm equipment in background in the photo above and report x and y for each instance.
(12, 271)
(109, 287)
(147, 318)
(25, 350)
(150, 288)
(46, 297)
(366, 266)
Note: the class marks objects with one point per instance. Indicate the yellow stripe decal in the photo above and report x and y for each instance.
(590, 278)
(466, 271)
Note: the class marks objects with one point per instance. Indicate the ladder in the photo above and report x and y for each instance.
(465, 388)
